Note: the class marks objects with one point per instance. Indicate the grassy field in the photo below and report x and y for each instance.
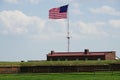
(63, 76)
(58, 63)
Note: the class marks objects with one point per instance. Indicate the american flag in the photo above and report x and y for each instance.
(58, 13)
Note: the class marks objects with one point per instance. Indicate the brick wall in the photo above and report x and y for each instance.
(9, 70)
(58, 69)
(110, 56)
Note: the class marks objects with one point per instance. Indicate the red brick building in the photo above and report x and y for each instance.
(86, 55)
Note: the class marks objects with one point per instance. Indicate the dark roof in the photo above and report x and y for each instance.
(77, 54)
(85, 53)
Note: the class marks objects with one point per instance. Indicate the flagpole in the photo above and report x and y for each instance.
(54, 13)
(68, 33)
(68, 36)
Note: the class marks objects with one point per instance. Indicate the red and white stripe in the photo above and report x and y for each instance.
(54, 13)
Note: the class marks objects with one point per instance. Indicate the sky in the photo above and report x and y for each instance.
(26, 32)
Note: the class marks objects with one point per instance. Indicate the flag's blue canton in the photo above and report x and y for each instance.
(63, 9)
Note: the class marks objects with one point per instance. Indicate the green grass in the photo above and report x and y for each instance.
(10, 63)
(63, 76)
(68, 63)
(59, 63)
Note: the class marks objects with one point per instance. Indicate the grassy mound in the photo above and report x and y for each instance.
(59, 63)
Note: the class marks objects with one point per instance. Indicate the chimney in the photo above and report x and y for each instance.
(86, 51)
(52, 52)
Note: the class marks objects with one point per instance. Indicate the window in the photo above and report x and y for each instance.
(99, 59)
(77, 59)
(50, 59)
(58, 59)
(66, 59)
(86, 59)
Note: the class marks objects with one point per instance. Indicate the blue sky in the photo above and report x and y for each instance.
(26, 33)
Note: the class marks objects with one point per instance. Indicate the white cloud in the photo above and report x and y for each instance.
(35, 1)
(18, 1)
(58, 29)
(53, 29)
(16, 22)
(92, 28)
(115, 23)
(12, 1)
(105, 10)
(76, 9)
